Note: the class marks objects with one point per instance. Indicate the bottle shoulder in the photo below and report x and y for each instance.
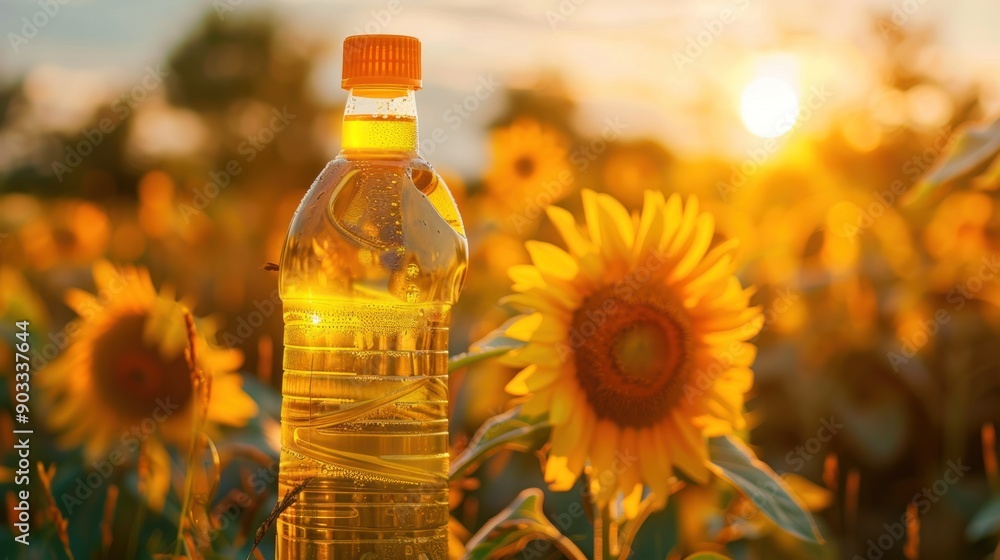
(385, 227)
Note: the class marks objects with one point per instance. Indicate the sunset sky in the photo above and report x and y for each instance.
(621, 59)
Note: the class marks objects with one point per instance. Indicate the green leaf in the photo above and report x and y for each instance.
(651, 533)
(971, 149)
(517, 525)
(986, 522)
(494, 344)
(732, 460)
(509, 430)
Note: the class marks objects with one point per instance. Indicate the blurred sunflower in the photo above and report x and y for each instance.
(631, 168)
(530, 170)
(958, 231)
(125, 377)
(636, 346)
(74, 232)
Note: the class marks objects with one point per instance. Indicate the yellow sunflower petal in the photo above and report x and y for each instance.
(631, 501)
(532, 353)
(538, 404)
(619, 220)
(591, 215)
(106, 276)
(566, 226)
(531, 379)
(628, 446)
(537, 327)
(533, 302)
(611, 225)
(604, 445)
(552, 260)
(563, 400)
(220, 360)
(157, 476)
(655, 463)
(649, 233)
(718, 253)
(558, 475)
(230, 405)
(81, 302)
(688, 448)
(673, 211)
(568, 435)
(711, 426)
(695, 250)
(685, 226)
(526, 276)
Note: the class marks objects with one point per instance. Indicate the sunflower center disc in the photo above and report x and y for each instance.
(133, 377)
(635, 356)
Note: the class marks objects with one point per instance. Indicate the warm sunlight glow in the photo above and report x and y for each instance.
(768, 107)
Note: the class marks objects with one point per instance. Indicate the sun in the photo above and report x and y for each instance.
(769, 106)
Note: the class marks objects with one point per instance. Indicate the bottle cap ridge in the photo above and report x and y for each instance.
(381, 60)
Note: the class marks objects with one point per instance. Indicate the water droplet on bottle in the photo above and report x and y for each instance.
(412, 270)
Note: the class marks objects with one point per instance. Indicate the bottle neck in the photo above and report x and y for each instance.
(380, 120)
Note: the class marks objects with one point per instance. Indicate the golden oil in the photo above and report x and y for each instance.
(374, 259)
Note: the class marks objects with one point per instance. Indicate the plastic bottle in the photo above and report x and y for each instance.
(374, 259)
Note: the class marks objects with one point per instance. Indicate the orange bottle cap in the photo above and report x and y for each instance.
(381, 60)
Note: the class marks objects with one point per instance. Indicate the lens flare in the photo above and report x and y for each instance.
(768, 107)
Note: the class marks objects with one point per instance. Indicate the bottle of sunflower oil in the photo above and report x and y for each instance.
(374, 259)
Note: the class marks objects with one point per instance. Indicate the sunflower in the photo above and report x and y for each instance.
(636, 344)
(631, 168)
(959, 229)
(124, 378)
(74, 232)
(530, 170)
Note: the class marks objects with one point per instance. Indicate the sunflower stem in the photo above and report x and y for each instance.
(599, 533)
(202, 387)
(604, 524)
